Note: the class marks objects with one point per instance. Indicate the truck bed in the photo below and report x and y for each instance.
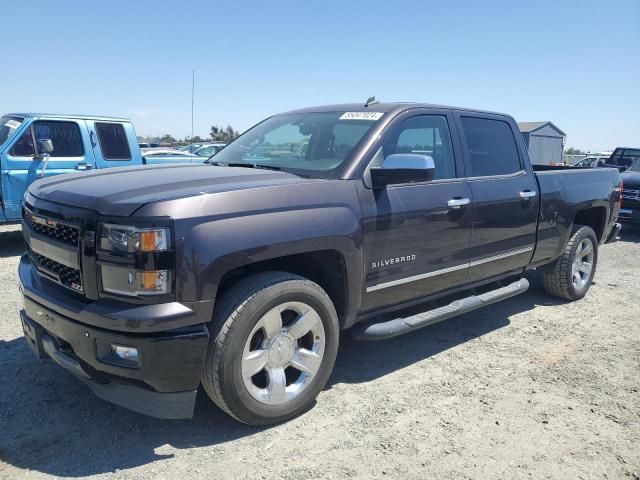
(563, 192)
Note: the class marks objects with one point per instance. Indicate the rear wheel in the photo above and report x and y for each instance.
(273, 348)
(574, 270)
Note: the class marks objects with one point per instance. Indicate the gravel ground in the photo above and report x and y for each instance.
(529, 388)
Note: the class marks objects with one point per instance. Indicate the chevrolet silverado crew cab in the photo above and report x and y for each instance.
(239, 275)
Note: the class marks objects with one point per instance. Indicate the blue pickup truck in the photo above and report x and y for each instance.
(36, 145)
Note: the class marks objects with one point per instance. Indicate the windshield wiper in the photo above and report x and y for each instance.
(246, 165)
(255, 165)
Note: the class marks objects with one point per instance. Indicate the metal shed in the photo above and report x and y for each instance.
(544, 140)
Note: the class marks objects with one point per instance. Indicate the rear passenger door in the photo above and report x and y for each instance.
(505, 196)
(114, 144)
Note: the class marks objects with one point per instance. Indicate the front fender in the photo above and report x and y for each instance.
(218, 233)
(215, 248)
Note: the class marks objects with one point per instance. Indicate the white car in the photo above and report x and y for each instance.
(209, 149)
(163, 156)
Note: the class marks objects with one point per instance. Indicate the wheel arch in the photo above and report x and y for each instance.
(327, 267)
(594, 217)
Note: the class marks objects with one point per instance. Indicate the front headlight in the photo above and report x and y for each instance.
(126, 281)
(136, 247)
(126, 239)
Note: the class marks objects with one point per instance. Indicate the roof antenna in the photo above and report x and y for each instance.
(371, 101)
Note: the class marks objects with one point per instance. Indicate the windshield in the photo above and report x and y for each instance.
(311, 144)
(635, 166)
(625, 157)
(9, 126)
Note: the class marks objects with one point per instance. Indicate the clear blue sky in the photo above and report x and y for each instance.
(576, 63)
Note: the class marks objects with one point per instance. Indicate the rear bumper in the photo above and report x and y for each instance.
(162, 383)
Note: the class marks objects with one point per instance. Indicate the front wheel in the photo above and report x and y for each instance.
(274, 344)
(574, 270)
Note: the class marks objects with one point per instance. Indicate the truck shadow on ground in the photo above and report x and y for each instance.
(51, 423)
(630, 233)
(11, 243)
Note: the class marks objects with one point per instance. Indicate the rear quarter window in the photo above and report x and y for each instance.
(113, 141)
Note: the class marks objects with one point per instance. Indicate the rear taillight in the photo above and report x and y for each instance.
(620, 189)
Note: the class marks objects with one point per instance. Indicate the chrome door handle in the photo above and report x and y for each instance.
(528, 194)
(458, 202)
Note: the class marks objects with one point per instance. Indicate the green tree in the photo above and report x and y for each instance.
(167, 138)
(222, 134)
(573, 151)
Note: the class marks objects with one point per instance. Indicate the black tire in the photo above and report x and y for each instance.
(559, 282)
(234, 318)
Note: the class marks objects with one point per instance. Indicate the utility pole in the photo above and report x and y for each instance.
(193, 89)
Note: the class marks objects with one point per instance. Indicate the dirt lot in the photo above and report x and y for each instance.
(529, 388)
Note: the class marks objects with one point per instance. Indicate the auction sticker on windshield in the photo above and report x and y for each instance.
(13, 124)
(373, 116)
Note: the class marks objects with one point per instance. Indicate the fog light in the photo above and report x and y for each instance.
(119, 355)
(129, 354)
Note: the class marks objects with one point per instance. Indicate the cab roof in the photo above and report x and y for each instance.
(71, 115)
(385, 107)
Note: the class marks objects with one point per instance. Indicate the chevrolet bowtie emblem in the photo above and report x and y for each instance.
(43, 221)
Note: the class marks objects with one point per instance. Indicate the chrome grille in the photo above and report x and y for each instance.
(66, 276)
(631, 194)
(62, 232)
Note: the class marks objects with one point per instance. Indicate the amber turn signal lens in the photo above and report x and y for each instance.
(149, 280)
(149, 240)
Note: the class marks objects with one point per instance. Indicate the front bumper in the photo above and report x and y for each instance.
(629, 215)
(162, 384)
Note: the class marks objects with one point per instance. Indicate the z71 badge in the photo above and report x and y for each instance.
(393, 261)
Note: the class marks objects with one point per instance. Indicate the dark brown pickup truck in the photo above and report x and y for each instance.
(239, 275)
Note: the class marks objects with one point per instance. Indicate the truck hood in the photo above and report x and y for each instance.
(121, 191)
(630, 180)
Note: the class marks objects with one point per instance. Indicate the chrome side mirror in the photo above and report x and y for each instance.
(402, 168)
(45, 145)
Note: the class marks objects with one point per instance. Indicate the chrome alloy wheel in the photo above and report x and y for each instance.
(283, 353)
(582, 264)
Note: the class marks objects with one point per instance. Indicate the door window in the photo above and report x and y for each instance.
(113, 141)
(425, 135)
(24, 146)
(491, 146)
(65, 137)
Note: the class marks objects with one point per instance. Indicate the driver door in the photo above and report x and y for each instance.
(417, 235)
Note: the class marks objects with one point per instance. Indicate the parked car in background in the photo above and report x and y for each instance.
(240, 275)
(630, 208)
(189, 148)
(148, 145)
(623, 157)
(164, 156)
(36, 145)
(591, 162)
(209, 149)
